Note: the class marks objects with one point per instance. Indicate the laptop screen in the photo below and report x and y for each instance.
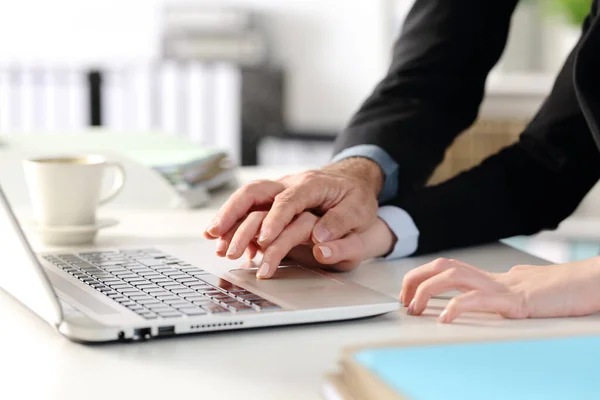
(21, 274)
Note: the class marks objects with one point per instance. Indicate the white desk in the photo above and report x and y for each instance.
(273, 363)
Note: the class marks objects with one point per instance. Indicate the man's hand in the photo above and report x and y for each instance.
(525, 291)
(294, 244)
(344, 193)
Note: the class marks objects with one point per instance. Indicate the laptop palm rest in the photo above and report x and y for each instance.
(82, 297)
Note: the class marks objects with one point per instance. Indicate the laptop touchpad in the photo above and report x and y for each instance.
(293, 286)
(287, 278)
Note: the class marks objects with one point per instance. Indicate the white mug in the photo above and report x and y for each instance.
(65, 191)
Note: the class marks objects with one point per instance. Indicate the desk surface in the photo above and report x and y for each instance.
(271, 363)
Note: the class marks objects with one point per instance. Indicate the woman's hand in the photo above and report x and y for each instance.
(526, 291)
(295, 244)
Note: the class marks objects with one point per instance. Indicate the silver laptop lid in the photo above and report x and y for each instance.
(21, 274)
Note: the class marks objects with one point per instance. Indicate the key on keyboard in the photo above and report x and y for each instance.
(157, 285)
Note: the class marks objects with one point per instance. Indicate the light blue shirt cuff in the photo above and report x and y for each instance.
(385, 161)
(403, 227)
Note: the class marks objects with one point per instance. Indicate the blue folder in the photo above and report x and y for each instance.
(550, 368)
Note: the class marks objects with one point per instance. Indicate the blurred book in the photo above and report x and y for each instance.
(518, 368)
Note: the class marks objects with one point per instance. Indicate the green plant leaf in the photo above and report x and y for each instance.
(574, 11)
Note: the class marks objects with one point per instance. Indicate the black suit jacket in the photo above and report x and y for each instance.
(432, 93)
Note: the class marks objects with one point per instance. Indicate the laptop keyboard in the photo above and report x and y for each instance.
(156, 285)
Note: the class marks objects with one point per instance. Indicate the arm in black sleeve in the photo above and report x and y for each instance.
(527, 187)
(434, 86)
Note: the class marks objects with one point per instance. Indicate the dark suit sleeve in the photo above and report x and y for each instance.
(434, 86)
(525, 188)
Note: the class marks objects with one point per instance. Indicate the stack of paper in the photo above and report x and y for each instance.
(542, 368)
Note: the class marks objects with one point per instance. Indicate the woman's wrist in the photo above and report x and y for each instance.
(378, 240)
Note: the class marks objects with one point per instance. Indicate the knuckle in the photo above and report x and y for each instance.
(308, 177)
(284, 198)
(440, 265)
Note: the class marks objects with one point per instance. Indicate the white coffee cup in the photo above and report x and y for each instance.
(65, 190)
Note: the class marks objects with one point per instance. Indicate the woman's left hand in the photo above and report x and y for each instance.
(526, 291)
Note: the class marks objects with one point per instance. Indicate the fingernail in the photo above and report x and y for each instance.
(221, 245)
(443, 316)
(264, 234)
(322, 234)
(400, 297)
(326, 251)
(411, 307)
(232, 249)
(263, 270)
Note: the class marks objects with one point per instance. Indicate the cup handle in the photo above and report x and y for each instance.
(118, 183)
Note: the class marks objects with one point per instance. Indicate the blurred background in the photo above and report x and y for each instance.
(268, 82)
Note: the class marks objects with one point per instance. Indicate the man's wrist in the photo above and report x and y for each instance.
(361, 168)
(385, 176)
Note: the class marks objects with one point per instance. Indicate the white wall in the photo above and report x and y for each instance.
(334, 50)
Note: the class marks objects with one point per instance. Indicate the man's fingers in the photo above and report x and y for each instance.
(240, 203)
(348, 215)
(294, 234)
(244, 234)
(287, 205)
(455, 278)
(507, 305)
(342, 254)
(420, 274)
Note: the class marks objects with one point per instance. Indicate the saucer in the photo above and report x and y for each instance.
(72, 235)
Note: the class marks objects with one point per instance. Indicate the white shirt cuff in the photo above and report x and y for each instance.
(403, 227)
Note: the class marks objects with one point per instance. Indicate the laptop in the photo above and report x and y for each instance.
(130, 294)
